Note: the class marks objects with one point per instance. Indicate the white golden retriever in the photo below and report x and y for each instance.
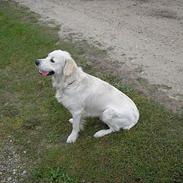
(85, 95)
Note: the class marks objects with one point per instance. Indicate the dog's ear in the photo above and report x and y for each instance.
(70, 67)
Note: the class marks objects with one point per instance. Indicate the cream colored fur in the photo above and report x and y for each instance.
(85, 96)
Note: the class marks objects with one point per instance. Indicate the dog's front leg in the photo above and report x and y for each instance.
(75, 128)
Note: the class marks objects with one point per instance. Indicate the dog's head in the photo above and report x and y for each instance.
(57, 62)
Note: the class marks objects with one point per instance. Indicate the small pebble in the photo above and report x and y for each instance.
(9, 178)
(24, 172)
(14, 171)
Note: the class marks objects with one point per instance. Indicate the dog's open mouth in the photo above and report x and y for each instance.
(46, 73)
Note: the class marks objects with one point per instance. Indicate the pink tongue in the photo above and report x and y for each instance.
(44, 73)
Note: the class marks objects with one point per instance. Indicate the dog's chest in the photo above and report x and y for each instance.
(61, 98)
(67, 100)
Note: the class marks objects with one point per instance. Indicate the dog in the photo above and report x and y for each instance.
(87, 96)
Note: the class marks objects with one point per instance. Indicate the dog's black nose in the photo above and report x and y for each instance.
(37, 62)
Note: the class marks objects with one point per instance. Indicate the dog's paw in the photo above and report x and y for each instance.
(71, 138)
(71, 120)
(101, 133)
(98, 134)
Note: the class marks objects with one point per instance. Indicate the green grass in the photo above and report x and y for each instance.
(150, 152)
(54, 174)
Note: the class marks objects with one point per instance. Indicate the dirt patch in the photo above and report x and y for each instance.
(141, 1)
(162, 13)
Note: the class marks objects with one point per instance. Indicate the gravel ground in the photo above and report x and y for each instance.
(12, 169)
(145, 35)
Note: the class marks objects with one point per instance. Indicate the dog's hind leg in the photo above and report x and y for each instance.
(101, 133)
(107, 117)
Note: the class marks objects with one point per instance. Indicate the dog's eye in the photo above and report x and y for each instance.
(52, 61)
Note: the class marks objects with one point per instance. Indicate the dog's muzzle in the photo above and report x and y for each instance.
(45, 73)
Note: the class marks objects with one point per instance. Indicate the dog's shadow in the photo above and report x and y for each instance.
(91, 126)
